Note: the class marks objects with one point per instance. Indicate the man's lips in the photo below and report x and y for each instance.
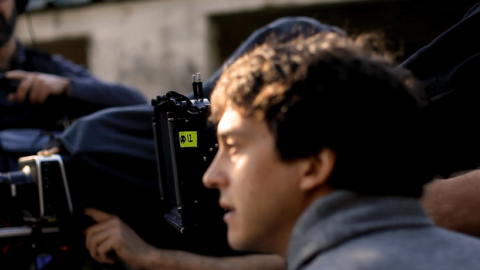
(230, 210)
(223, 204)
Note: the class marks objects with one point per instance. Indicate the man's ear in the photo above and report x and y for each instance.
(320, 169)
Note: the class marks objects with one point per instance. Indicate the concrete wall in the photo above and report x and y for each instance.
(154, 45)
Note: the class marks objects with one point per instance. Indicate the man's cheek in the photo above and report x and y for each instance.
(240, 163)
(251, 165)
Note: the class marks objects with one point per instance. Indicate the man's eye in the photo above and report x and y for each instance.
(232, 148)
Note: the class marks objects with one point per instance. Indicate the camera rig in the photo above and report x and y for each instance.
(40, 191)
(185, 146)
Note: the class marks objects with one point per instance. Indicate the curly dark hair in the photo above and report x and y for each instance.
(329, 91)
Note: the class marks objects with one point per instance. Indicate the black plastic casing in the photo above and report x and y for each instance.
(186, 145)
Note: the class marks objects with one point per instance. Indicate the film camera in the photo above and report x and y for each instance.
(40, 188)
(185, 146)
(39, 203)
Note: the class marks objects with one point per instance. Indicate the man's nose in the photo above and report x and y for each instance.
(215, 177)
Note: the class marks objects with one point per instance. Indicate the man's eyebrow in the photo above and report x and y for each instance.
(231, 133)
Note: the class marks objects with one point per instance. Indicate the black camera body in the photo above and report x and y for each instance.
(185, 146)
(40, 187)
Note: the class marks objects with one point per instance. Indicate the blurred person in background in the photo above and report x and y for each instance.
(42, 91)
(39, 94)
(42, 77)
(322, 160)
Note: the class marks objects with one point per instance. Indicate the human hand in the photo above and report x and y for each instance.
(112, 234)
(38, 85)
(49, 152)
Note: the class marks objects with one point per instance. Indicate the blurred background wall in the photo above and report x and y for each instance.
(155, 45)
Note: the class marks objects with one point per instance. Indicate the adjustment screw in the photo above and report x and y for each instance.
(204, 158)
(211, 149)
(216, 145)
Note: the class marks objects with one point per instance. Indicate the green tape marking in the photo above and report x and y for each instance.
(188, 139)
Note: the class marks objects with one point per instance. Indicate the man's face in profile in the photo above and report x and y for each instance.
(258, 189)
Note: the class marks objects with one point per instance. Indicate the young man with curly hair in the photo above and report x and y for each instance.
(322, 160)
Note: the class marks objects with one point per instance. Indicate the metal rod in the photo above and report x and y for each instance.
(200, 86)
(23, 231)
(194, 85)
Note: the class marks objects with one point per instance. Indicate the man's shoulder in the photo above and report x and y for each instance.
(36, 52)
(404, 248)
(41, 61)
(38, 60)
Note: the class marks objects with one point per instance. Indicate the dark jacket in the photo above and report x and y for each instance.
(448, 67)
(345, 231)
(88, 93)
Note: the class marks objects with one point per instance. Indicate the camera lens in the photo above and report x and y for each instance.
(17, 178)
(12, 183)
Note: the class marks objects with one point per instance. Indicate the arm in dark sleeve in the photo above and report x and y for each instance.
(286, 28)
(86, 90)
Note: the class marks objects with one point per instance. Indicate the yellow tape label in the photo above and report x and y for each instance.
(188, 139)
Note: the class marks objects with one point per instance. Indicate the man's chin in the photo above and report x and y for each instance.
(235, 241)
(240, 242)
